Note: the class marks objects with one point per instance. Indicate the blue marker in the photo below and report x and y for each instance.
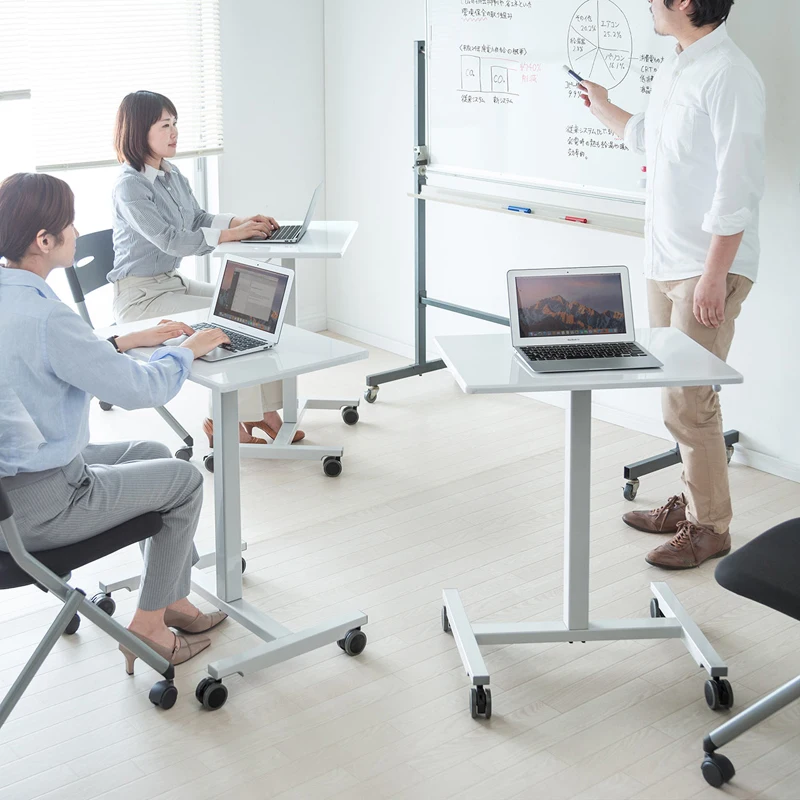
(573, 74)
(520, 209)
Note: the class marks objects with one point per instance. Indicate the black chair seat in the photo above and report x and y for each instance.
(63, 560)
(766, 569)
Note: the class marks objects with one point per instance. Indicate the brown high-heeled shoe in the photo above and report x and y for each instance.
(208, 430)
(181, 651)
(271, 432)
(186, 623)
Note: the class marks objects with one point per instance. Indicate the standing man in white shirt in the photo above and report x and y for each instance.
(703, 135)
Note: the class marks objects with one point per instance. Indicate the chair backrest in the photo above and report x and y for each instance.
(94, 259)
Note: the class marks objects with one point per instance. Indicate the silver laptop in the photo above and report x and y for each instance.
(249, 304)
(575, 320)
(291, 234)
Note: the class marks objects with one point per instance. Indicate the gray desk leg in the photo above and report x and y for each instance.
(578, 487)
(294, 408)
(227, 496)
(672, 621)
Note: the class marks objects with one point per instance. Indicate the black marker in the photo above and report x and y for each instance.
(573, 74)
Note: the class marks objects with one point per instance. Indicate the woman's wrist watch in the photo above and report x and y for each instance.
(113, 340)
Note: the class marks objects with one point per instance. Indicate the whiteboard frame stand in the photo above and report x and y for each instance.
(421, 365)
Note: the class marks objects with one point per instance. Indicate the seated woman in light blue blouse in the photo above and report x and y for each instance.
(64, 489)
(157, 221)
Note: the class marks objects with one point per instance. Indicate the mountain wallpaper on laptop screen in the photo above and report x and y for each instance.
(558, 314)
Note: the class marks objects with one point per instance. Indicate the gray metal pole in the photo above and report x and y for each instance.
(420, 242)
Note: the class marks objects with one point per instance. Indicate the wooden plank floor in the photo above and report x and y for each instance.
(438, 490)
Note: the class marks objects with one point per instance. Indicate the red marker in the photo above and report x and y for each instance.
(577, 219)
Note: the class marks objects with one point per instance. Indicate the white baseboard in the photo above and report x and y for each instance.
(372, 339)
(765, 463)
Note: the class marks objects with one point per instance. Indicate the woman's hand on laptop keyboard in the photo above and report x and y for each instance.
(251, 228)
(203, 342)
(152, 337)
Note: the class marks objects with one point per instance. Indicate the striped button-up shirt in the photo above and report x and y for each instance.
(157, 222)
(52, 364)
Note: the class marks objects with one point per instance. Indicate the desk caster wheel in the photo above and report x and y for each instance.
(208, 462)
(655, 609)
(630, 490)
(719, 694)
(717, 770)
(164, 694)
(244, 565)
(331, 466)
(480, 702)
(354, 642)
(184, 454)
(350, 415)
(211, 694)
(371, 395)
(445, 621)
(73, 626)
(105, 406)
(105, 602)
(729, 454)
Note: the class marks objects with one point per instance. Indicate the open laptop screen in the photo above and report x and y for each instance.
(251, 296)
(570, 305)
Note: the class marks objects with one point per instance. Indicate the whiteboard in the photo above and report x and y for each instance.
(501, 109)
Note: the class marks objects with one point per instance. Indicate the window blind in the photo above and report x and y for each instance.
(14, 79)
(86, 55)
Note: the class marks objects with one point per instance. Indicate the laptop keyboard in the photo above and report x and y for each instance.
(569, 352)
(287, 232)
(239, 342)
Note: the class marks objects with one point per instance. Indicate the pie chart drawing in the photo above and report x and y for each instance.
(600, 43)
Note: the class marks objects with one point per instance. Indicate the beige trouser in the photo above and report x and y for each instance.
(171, 293)
(692, 414)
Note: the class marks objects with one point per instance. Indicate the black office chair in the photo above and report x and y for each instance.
(764, 570)
(50, 570)
(94, 259)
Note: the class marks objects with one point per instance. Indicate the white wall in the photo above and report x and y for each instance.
(369, 129)
(274, 116)
(369, 115)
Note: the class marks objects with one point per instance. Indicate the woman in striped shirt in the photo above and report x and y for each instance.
(157, 222)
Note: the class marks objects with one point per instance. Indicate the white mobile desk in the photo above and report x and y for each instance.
(322, 240)
(489, 365)
(298, 352)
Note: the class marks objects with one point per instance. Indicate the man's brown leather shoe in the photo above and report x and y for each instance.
(660, 520)
(690, 547)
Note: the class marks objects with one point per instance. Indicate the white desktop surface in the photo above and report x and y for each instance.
(488, 364)
(297, 353)
(322, 240)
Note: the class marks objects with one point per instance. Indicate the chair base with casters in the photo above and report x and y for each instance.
(94, 259)
(764, 570)
(45, 569)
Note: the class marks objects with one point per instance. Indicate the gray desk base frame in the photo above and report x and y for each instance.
(294, 408)
(669, 620)
(224, 589)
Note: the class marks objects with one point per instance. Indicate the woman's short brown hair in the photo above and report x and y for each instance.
(31, 202)
(136, 114)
